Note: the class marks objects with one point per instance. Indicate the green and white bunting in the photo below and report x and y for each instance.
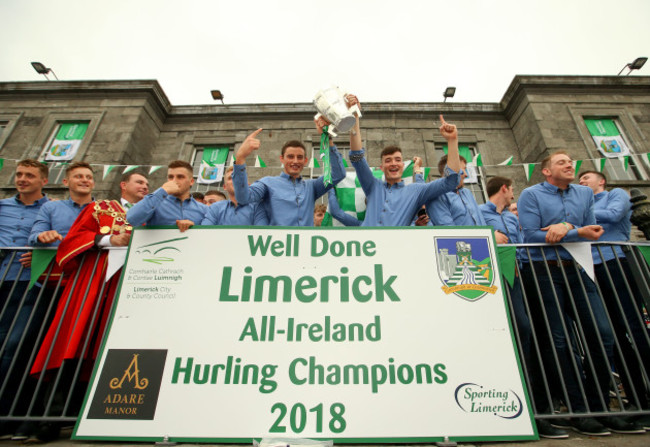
(154, 169)
(107, 170)
(212, 165)
(607, 137)
(625, 161)
(259, 163)
(66, 142)
(130, 168)
(577, 165)
(600, 164)
(528, 169)
(470, 163)
(507, 161)
(2, 163)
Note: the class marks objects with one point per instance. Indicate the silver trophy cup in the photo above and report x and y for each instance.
(330, 103)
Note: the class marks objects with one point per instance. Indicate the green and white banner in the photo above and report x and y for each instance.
(607, 137)
(378, 335)
(212, 165)
(66, 142)
(471, 163)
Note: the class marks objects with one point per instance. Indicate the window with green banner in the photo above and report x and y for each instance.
(66, 141)
(619, 160)
(474, 180)
(209, 164)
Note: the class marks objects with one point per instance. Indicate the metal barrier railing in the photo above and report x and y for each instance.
(584, 346)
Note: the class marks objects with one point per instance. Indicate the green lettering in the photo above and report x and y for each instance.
(259, 245)
(382, 287)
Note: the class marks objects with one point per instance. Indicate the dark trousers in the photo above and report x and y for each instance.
(21, 318)
(620, 294)
(565, 301)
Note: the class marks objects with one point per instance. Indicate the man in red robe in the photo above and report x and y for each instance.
(87, 298)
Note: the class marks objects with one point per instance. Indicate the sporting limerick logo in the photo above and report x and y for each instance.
(465, 267)
(157, 254)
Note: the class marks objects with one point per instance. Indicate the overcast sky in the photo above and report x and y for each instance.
(285, 51)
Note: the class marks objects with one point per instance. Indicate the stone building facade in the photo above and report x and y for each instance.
(133, 123)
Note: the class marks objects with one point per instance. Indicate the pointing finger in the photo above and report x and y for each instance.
(442, 120)
(256, 133)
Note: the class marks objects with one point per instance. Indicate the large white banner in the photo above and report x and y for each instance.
(228, 334)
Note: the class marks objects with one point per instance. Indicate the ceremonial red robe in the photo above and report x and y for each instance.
(73, 322)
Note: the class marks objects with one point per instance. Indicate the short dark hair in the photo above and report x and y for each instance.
(599, 174)
(127, 175)
(180, 164)
(495, 183)
(214, 192)
(547, 160)
(389, 150)
(293, 143)
(76, 165)
(443, 163)
(31, 163)
(198, 195)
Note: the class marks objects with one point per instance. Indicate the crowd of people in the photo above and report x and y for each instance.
(555, 211)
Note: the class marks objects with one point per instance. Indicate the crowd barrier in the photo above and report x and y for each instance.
(622, 285)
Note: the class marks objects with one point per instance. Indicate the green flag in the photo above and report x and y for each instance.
(507, 257)
(212, 164)
(463, 151)
(2, 163)
(40, 260)
(602, 127)
(327, 220)
(507, 161)
(626, 161)
(578, 164)
(601, 164)
(528, 169)
(67, 141)
(645, 251)
(324, 154)
(107, 170)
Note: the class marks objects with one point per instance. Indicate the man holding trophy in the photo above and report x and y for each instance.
(391, 202)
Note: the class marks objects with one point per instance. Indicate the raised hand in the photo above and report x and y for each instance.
(352, 100)
(250, 144)
(448, 131)
(321, 122)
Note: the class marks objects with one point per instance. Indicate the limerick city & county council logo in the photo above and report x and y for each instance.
(129, 384)
(465, 266)
(159, 252)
